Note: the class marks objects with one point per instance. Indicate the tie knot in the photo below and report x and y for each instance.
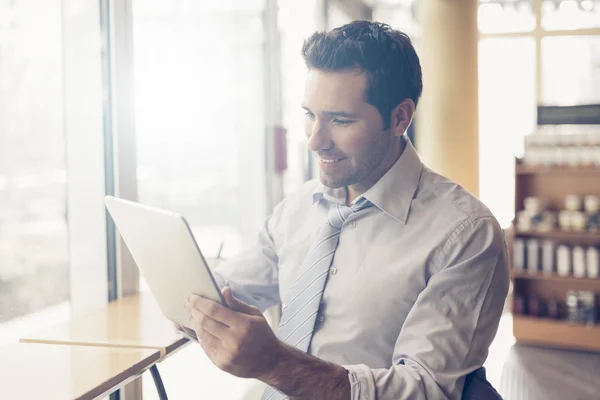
(338, 213)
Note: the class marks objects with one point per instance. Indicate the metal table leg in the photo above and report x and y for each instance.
(160, 388)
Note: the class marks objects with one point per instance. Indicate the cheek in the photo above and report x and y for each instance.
(352, 141)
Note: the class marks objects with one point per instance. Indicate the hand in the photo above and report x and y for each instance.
(190, 334)
(237, 339)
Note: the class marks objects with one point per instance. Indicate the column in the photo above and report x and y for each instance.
(447, 116)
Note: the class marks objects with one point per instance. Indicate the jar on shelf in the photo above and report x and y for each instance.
(587, 151)
(573, 202)
(547, 222)
(579, 221)
(533, 256)
(593, 262)
(519, 254)
(563, 260)
(591, 204)
(548, 252)
(579, 268)
(524, 221)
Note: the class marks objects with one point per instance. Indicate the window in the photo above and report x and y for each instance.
(507, 109)
(571, 70)
(200, 134)
(199, 114)
(400, 14)
(297, 21)
(509, 72)
(570, 14)
(505, 16)
(34, 260)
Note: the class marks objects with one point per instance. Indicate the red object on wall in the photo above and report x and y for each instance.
(280, 148)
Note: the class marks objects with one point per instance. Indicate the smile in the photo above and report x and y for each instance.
(331, 161)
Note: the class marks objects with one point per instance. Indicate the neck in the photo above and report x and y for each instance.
(353, 191)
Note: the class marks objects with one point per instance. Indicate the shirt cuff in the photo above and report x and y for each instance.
(362, 386)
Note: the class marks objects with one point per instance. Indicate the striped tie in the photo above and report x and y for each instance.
(300, 313)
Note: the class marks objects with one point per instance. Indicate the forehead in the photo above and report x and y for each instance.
(335, 90)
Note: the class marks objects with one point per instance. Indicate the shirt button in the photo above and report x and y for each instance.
(321, 318)
(333, 270)
(352, 224)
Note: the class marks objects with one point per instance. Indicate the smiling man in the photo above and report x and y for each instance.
(391, 278)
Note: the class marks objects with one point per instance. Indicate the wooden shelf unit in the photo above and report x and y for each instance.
(553, 333)
(591, 282)
(581, 238)
(523, 169)
(554, 184)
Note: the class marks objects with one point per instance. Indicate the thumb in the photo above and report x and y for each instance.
(238, 305)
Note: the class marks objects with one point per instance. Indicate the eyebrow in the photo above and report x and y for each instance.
(335, 113)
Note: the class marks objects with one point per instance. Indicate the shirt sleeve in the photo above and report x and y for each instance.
(449, 329)
(252, 274)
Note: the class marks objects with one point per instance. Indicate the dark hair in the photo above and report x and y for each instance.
(386, 56)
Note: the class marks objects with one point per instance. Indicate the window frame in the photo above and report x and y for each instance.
(539, 33)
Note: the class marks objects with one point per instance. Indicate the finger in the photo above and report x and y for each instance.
(202, 321)
(238, 305)
(209, 342)
(189, 333)
(177, 327)
(212, 309)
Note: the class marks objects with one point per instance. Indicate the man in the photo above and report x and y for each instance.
(392, 278)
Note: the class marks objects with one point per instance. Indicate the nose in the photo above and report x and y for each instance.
(318, 136)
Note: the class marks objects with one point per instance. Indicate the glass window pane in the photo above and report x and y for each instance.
(400, 14)
(570, 70)
(570, 14)
(199, 99)
(507, 112)
(506, 16)
(337, 17)
(297, 21)
(34, 270)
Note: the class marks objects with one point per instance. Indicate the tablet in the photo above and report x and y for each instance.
(166, 253)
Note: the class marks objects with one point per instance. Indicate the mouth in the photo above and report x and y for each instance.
(331, 160)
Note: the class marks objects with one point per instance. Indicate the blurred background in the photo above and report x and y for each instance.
(194, 106)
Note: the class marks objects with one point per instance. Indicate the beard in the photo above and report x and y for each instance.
(360, 165)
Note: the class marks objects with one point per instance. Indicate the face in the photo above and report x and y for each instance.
(346, 132)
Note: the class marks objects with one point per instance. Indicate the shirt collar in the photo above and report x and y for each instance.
(393, 192)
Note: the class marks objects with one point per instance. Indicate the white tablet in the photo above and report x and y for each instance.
(166, 253)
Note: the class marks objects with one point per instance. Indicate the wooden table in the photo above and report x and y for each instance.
(133, 322)
(36, 371)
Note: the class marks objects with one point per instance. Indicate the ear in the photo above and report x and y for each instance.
(402, 116)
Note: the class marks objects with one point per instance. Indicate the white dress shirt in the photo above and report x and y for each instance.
(415, 290)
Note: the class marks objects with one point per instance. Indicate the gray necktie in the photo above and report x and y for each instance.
(300, 313)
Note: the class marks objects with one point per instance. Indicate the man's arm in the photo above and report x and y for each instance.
(302, 376)
(239, 340)
(252, 274)
(445, 336)
(447, 333)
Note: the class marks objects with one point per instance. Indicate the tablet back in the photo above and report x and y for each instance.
(164, 249)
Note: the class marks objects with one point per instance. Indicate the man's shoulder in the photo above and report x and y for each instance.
(449, 200)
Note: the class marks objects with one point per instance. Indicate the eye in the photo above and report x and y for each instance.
(342, 122)
(310, 115)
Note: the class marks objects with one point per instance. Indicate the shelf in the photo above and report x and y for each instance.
(587, 237)
(553, 333)
(521, 169)
(553, 277)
